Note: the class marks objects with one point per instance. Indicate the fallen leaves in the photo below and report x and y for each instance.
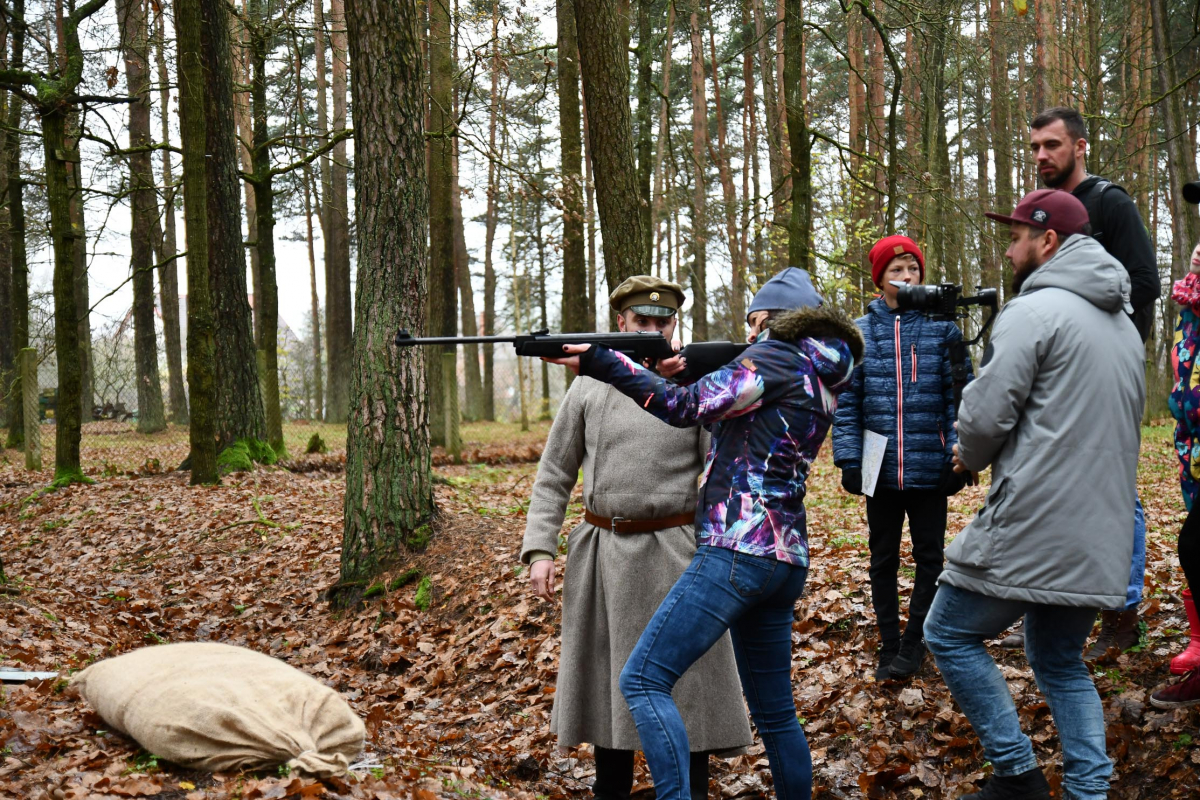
(457, 698)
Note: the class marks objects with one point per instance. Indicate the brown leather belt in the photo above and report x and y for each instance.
(623, 525)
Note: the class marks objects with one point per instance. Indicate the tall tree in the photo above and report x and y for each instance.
(1001, 136)
(168, 270)
(800, 230)
(389, 487)
(190, 19)
(260, 32)
(490, 220)
(133, 24)
(603, 32)
(645, 79)
(574, 289)
(442, 306)
(775, 117)
(338, 314)
(239, 409)
(18, 270)
(699, 267)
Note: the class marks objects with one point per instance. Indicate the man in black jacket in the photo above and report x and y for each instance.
(1058, 142)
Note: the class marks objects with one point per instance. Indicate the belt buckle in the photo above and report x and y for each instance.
(616, 521)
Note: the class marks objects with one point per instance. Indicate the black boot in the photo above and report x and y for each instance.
(698, 775)
(1029, 785)
(614, 774)
(909, 659)
(887, 652)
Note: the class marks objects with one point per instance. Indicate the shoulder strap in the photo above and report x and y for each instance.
(1094, 203)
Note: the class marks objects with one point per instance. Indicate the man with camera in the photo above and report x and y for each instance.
(903, 390)
(1056, 411)
(1058, 142)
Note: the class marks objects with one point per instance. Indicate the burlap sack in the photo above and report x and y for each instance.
(221, 708)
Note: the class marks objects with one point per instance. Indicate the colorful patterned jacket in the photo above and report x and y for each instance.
(769, 412)
(903, 390)
(1184, 401)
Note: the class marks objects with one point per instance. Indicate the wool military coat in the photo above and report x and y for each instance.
(637, 467)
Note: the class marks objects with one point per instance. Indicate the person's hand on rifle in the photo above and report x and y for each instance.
(670, 367)
(541, 578)
(571, 360)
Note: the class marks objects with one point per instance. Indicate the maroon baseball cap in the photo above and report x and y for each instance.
(1050, 210)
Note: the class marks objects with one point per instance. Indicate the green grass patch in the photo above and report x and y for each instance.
(424, 595)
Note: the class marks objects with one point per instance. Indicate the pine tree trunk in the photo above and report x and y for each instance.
(19, 272)
(737, 284)
(800, 231)
(267, 300)
(131, 19)
(1001, 136)
(318, 410)
(699, 267)
(645, 79)
(68, 414)
(589, 214)
(168, 271)
(239, 408)
(493, 191)
(661, 179)
(775, 138)
(466, 292)
(87, 371)
(389, 489)
(201, 328)
(603, 33)
(574, 288)
(442, 305)
(339, 315)
(242, 46)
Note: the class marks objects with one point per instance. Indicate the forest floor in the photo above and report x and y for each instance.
(457, 698)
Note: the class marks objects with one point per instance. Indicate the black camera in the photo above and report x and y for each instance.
(942, 301)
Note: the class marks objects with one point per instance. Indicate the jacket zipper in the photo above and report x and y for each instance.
(899, 407)
(914, 362)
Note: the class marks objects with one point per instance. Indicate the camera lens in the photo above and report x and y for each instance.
(919, 297)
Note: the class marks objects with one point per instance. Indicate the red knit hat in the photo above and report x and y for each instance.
(888, 248)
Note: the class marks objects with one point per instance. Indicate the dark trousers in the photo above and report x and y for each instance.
(614, 774)
(1189, 549)
(926, 511)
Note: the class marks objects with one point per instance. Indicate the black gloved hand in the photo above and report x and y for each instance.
(852, 480)
(950, 482)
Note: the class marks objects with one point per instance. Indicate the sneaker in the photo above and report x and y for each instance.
(1179, 695)
(1029, 785)
(909, 659)
(887, 653)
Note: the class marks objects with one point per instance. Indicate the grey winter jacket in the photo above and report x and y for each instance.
(1056, 410)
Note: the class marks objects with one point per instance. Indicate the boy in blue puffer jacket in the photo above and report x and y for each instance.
(902, 389)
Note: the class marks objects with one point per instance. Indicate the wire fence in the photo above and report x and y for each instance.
(112, 444)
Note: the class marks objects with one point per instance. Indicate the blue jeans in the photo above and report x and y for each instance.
(1137, 572)
(754, 599)
(958, 624)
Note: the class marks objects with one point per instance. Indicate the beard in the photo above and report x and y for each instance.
(1018, 281)
(1059, 176)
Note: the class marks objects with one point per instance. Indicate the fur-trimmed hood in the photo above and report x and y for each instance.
(826, 321)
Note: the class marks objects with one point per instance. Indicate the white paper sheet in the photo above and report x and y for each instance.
(873, 447)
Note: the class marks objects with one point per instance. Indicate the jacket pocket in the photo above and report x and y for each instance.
(749, 575)
(975, 547)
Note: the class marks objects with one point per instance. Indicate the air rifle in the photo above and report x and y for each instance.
(702, 357)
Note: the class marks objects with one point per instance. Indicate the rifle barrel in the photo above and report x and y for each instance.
(404, 339)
